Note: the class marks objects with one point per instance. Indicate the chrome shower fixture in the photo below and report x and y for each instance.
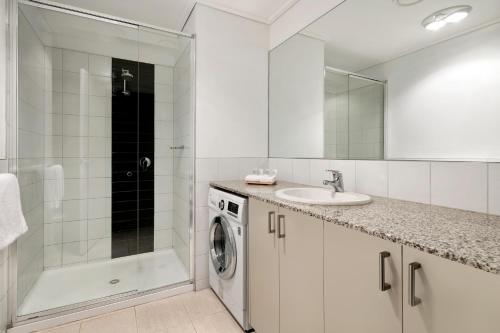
(126, 76)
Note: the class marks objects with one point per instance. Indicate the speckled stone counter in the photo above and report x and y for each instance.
(466, 237)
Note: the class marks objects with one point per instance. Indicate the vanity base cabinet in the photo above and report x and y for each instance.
(263, 267)
(355, 301)
(448, 296)
(301, 272)
(285, 270)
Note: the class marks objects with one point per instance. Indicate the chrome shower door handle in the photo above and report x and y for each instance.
(145, 163)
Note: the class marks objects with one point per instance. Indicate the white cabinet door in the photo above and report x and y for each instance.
(301, 272)
(454, 298)
(355, 301)
(263, 267)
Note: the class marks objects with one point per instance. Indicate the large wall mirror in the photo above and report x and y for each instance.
(390, 79)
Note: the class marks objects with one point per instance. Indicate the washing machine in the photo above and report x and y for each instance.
(227, 258)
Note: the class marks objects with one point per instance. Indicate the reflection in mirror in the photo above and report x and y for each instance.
(415, 82)
(354, 116)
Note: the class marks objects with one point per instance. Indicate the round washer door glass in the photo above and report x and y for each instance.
(222, 247)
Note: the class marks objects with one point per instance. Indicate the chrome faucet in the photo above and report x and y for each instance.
(337, 183)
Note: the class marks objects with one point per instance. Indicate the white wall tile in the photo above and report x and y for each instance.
(99, 208)
(201, 263)
(201, 218)
(228, 168)
(99, 188)
(99, 167)
(99, 249)
(163, 220)
(284, 167)
(52, 256)
(202, 242)
(494, 188)
(74, 253)
(247, 165)
(53, 233)
(74, 210)
(207, 169)
(75, 188)
(348, 169)
(100, 106)
(99, 65)
(163, 93)
(74, 61)
(99, 85)
(74, 146)
(75, 167)
(163, 74)
(99, 228)
(318, 173)
(74, 104)
(163, 239)
(410, 181)
(301, 171)
(371, 177)
(461, 185)
(74, 231)
(75, 83)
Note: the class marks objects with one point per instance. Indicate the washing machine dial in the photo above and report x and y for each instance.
(221, 205)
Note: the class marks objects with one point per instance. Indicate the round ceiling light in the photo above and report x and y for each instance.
(441, 18)
(405, 3)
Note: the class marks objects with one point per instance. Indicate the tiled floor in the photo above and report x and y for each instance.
(63, 286)
(195, 312)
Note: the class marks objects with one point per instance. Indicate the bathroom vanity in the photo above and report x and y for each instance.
(388, 266)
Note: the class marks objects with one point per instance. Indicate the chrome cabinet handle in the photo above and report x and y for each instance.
(281, 230)
(271, 223)
(383, 286)
(412, 299)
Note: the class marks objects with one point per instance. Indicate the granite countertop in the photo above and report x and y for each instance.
(467, 237)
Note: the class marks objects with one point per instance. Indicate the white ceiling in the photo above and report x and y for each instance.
(362, 33)
(172, 14)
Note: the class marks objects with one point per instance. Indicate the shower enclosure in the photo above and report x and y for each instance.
(354, 116)
(104, 156)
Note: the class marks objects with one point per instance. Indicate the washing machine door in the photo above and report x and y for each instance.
(222, 247)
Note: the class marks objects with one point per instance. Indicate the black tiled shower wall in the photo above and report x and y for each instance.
(132, 202)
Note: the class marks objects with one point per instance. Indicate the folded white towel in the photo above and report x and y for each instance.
(54, 181)
(261, 179)
(12, 223)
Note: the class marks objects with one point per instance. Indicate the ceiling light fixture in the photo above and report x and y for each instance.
(441, 18)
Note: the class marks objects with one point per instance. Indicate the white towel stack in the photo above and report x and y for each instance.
(261, 177)
(12, 222)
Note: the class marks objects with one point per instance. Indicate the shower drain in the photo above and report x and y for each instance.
(114, 281)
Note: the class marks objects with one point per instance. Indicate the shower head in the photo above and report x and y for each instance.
(126, 76)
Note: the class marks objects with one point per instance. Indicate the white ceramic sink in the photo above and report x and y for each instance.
(322, 196)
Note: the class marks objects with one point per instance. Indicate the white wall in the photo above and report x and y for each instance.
(436, 183)
(444, 101)
(231, 84)
(3, 78)
(231, 108)
(303, 13)
(296, 98)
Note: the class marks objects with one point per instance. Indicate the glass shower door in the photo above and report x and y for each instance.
(105, 160)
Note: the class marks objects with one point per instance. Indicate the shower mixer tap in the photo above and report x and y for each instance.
(126, 76)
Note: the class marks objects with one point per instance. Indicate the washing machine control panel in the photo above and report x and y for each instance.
(233, 207)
